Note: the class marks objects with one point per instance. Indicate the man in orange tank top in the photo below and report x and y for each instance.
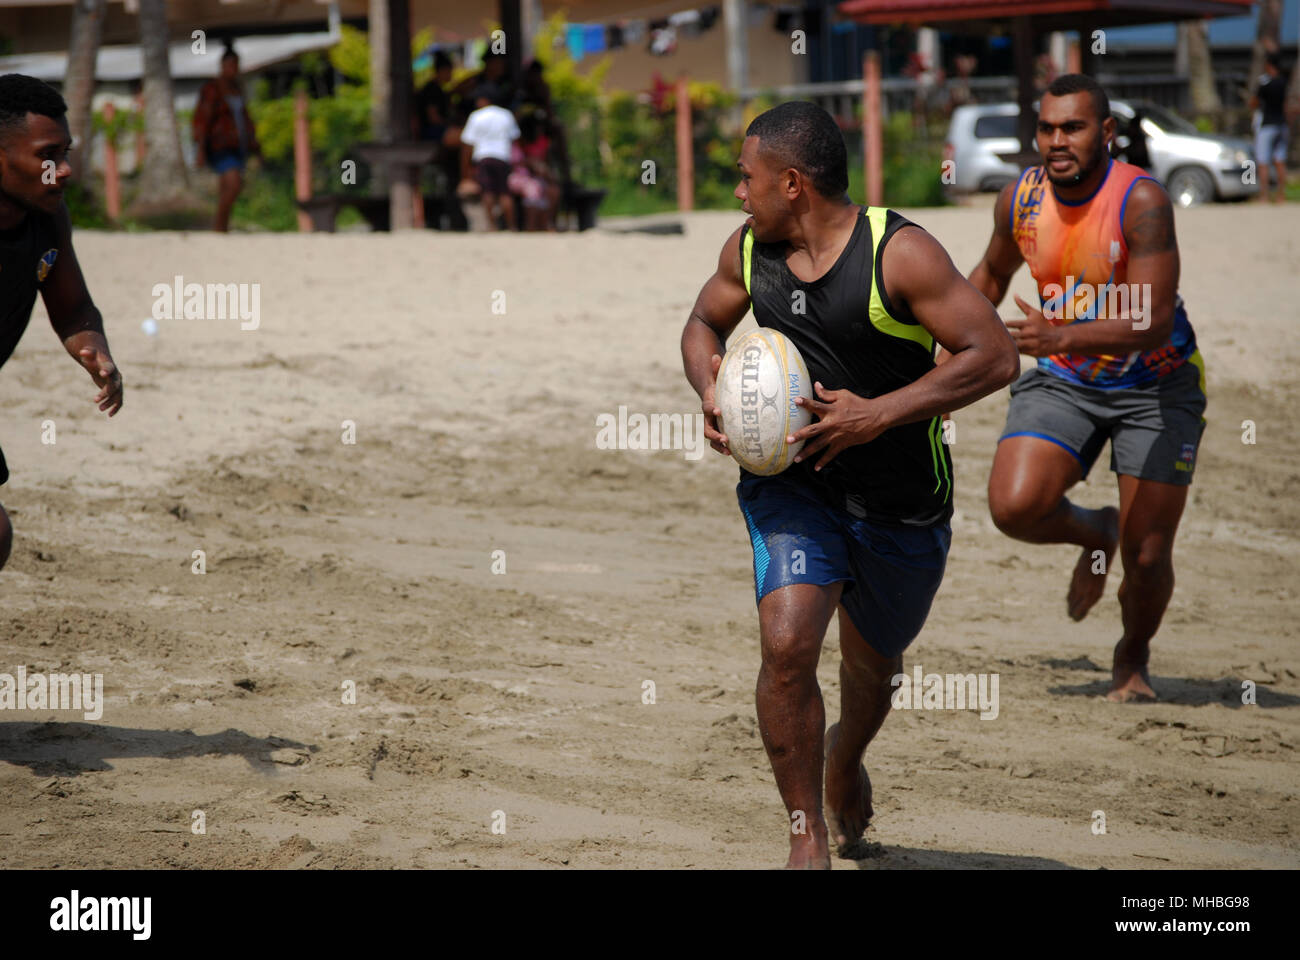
(1117, 361)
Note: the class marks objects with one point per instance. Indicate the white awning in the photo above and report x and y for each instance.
(125, 63)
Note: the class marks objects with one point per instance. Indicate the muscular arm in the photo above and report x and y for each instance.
(981, 358)
(1153, 268)
(76, 320)
(992, 275)
(721, 305)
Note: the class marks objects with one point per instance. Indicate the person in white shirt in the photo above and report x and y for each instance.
(490, 134)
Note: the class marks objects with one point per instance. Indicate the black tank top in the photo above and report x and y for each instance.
(853, 338)
(27, 253)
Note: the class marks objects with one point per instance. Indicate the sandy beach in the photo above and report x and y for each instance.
(497, 590)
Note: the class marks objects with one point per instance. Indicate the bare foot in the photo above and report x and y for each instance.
(1130, 682)
(809, 852)
(848, 796)
(1087, 587)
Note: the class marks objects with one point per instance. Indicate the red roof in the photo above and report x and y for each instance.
(931, 11)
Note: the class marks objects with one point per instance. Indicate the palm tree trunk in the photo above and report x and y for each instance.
(79, 84)
(1267, 37)
(163, 181)
(381, 81)
(1200, 72)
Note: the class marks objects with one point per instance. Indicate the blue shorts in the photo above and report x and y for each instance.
(224, 160)
(892, 571)
(1270, 143)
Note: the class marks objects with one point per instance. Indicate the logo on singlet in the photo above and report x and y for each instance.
(46, 264)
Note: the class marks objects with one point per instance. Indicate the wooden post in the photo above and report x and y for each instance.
(735, 17)
(872, 130)
(402, 188)
(380, 79)
(685, 149)
(512, 24)
(417, 199)
(736, 20)
(301, 157)
(112, 182)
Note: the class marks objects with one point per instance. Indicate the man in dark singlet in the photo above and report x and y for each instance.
(859, 524)
(36, 244)
(1273, 134)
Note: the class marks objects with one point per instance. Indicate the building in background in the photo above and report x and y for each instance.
(642, 38)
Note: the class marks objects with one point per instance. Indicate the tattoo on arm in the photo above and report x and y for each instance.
(1153, 231)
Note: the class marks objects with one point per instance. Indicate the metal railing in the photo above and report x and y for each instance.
(843, 98)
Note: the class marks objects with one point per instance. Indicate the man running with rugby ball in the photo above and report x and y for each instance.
(866, 504)
(1117, 360)
(36, 244)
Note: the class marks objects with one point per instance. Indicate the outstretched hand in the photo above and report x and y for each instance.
(104, 372)
(1035, 335)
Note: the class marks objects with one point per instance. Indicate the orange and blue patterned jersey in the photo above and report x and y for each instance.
(1078, 257)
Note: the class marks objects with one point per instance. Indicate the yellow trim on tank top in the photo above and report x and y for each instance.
(881, 318)
(747, 254)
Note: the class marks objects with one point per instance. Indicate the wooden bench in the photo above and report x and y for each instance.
(323, 210)
(405, 159)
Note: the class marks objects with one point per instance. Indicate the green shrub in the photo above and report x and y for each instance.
(86, 211)
(267, 201)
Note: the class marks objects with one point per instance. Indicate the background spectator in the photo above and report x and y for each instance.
(532, 177)
(488, 138)
(223, 133)
(1271, 136)
(433, 102)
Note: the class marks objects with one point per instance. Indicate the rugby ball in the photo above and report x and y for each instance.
(758, 381)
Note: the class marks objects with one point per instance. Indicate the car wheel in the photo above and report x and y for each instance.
(995, 184)
(1190, 187)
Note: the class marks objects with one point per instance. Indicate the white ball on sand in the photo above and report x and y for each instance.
(150, 327)
(759, 379)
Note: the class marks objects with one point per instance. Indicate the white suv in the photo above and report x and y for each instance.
(1194, 167)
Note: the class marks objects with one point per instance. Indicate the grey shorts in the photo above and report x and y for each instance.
(1154, 431)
